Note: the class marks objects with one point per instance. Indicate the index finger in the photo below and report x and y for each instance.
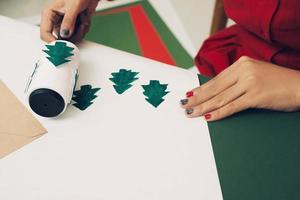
(47, 25)
(217, 85)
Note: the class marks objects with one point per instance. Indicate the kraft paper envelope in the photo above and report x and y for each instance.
(18, 126)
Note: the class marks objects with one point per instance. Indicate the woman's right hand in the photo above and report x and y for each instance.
(67, 19)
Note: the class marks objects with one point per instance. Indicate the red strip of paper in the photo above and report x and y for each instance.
(151, 44)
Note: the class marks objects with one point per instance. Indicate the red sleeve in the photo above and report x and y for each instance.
(267, 30)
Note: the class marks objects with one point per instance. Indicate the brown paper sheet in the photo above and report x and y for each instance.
(18, 126)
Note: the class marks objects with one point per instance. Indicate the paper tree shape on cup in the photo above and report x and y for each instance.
(123, 80)
(155, 92)
(84, 97)
(58, 53)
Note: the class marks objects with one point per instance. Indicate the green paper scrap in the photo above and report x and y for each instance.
(123, 80)
(37, 65)
(84, 97)
(76, 79)
(155, 92)
(58, 53)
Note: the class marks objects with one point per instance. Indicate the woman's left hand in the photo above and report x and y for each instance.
(248, 83)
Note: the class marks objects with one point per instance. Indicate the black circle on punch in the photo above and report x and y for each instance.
(46, 102)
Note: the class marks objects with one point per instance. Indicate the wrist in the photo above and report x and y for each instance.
(297, 88)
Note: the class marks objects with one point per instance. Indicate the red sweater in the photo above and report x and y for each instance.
(267, 30)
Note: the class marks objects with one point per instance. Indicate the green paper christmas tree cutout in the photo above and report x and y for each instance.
(59, 53)
(123, 80)
(155, 92)
(84, 97)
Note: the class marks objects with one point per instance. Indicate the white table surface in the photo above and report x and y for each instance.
(119, 148)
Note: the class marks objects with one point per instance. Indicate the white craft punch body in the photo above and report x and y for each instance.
(50, 87)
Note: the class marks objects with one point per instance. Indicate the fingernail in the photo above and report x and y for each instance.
(64, 32)
(189, 111)
(207, 116)
(189, 94)
(86, 23)
(184, 101)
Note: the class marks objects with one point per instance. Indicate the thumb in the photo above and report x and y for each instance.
(68, 23)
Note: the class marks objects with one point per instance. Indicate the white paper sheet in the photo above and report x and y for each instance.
(119, 148)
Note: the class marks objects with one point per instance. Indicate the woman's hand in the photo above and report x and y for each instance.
(61, 16)
(248, 83)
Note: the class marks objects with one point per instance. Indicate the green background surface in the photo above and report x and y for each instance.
(257, 154)
(116, 30)
(105, 31)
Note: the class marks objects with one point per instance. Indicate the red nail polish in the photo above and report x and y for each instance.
(207, 116)
(189, 94)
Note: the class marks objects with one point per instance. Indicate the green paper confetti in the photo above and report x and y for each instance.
(84, 96)
(155, 92)
(58, 53)
(123, 80)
